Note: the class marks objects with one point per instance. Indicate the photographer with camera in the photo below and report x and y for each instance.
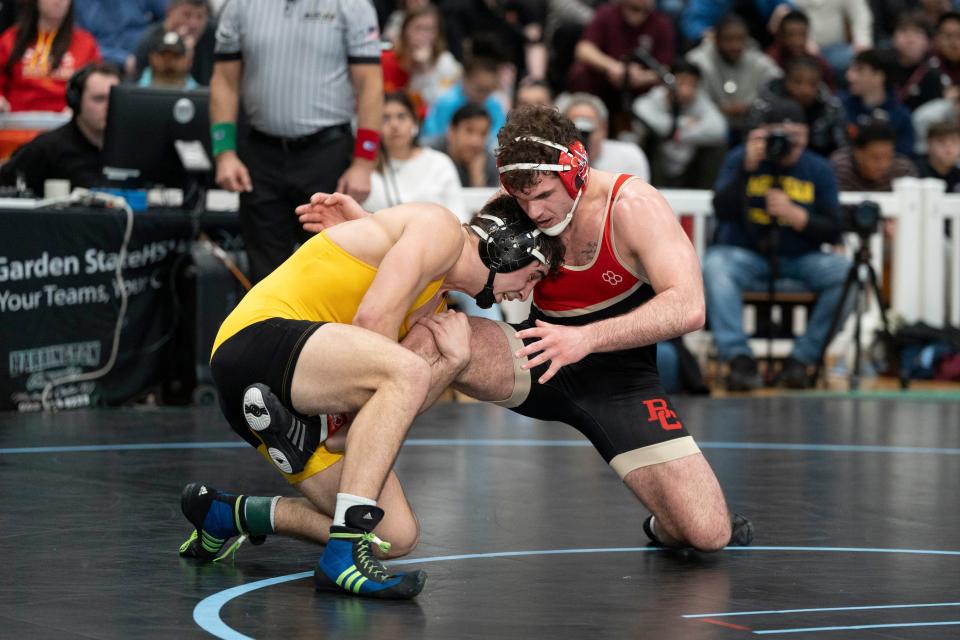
(776, 203)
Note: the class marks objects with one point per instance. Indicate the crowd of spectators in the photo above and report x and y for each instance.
(677, 79)
(670, 90)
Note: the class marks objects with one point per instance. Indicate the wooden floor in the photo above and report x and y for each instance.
(526, 532)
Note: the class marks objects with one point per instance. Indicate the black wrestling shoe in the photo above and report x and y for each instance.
(741, 531)
(289, 441)
(742, 534)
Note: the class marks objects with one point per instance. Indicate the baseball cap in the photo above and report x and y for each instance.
(169, 41)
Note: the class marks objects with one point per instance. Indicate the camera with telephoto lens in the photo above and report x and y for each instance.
(863, 218)
(779, 145)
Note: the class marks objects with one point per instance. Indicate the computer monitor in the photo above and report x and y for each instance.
(153, 133)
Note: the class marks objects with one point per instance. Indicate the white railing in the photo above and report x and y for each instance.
(926, 267)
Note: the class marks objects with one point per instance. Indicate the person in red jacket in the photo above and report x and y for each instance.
(39, 54)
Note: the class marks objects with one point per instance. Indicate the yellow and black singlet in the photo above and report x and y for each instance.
(319, 282)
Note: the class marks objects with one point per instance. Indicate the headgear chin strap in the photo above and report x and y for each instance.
(558, 228)
(573, 165)
(485, 298)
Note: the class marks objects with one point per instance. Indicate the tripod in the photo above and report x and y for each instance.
(860, 277)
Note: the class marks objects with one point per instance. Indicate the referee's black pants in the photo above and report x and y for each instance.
(285, 173)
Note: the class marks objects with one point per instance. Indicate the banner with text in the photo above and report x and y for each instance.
(60, 300)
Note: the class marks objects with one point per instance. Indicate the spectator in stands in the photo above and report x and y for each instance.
(466, 144)
(118, 26)
(70, 152)
(936, 8)
(606, 64)
(419, 62)
(563, 27)
(780, 201)
(479, 82)
(870, 97)
(39, 54)
(871, 163)
(701, 17)
(911, 46)
(885, 15)
(792, 40)
(690, 131)
(734, 71)
(191, 19)
(825, 117)
(170, 63)
(829, 22)
(513, 27)
(530, 91)
(393, 26)
(408, 172)
(590, 116)
(931, 79)
(928, 114)
(943, 154)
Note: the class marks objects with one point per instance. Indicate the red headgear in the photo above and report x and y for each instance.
(573, 165)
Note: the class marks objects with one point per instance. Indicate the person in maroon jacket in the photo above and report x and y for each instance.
(606, 61)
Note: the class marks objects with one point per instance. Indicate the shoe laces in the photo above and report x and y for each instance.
(370, 564)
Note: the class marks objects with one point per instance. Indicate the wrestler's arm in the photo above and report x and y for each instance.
(647, 235)
(428, 246)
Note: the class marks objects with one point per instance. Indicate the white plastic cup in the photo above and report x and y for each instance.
(56, 188)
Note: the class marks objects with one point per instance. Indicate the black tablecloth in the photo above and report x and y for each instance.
(59, 299)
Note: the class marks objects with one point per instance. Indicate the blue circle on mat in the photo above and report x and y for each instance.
(207, 612)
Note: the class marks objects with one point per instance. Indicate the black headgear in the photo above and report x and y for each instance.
(505, 247)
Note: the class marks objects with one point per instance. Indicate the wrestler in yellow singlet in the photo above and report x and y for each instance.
(320, 282)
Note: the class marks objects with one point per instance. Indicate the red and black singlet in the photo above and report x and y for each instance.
(602, 289)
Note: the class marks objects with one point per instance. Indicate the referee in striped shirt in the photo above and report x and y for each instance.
(300, 66)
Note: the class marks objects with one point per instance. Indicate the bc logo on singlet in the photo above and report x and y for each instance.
(659, 412)
(612, 278)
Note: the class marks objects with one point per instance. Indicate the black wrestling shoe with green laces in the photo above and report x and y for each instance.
(348, 563)
(217, 517)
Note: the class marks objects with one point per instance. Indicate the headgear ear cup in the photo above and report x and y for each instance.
(579, 162)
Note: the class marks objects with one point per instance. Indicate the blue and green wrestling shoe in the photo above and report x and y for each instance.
(348, 562)
(217, 517)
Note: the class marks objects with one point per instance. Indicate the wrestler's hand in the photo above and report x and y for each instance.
(451, 332)
(328, 209)
(558, 344)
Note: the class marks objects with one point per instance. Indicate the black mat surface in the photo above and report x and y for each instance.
(851, 500)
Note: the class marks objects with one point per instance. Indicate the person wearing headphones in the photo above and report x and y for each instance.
(73, 151)
(586, 356)
(318, 336)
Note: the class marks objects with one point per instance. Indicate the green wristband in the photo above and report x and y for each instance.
(224, 137)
